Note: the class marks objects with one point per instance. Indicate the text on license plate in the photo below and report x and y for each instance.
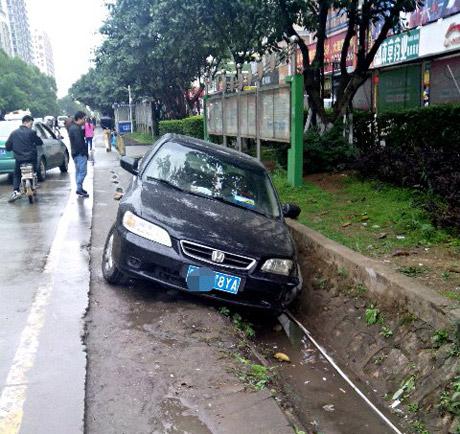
(222, 282)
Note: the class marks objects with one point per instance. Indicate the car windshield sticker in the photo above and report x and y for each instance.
(246, 200)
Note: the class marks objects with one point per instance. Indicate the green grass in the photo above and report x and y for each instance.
(142, 138)
(361, 211)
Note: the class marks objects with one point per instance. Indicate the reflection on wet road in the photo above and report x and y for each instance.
(43, 296)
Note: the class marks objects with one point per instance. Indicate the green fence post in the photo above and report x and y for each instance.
(295, 153)
(205, 118)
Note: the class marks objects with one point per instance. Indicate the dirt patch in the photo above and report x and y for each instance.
(435, 267)
(330, 182)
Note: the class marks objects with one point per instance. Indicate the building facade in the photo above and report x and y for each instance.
(5, 33)
(21, 40)
(43, 52)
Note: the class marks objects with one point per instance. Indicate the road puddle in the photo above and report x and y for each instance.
(179, 419)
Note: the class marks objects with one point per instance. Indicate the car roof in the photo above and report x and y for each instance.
(216, 150)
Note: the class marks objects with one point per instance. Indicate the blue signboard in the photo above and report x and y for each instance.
(125, 127)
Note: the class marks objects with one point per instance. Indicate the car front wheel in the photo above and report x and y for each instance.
(109, 269)
(64, 167)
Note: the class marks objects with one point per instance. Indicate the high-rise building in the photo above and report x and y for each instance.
(20, 32)
(5, 38)
(43, 52)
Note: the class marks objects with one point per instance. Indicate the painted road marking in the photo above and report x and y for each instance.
(14, 392)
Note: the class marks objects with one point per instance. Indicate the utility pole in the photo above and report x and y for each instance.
(130, 100)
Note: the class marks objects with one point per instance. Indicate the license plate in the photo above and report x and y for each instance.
(2, 151)
(222, 282)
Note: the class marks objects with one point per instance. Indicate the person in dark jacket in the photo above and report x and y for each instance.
(23, 142)
(107, 126)
(79, 151)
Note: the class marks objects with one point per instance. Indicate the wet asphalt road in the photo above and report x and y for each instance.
(43, 297)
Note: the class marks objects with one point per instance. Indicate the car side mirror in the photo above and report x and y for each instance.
(291, 210)
(130, 164)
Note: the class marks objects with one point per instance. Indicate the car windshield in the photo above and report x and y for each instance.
(200, 173)
(7, 127)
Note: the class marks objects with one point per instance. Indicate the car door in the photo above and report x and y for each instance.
(52, 147)
(42, 150)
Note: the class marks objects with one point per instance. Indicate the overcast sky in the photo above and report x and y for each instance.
(73, 30)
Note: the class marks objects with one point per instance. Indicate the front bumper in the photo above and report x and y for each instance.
(140, 258)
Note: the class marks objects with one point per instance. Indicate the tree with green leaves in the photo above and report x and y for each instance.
(160, 47)
(23, 86)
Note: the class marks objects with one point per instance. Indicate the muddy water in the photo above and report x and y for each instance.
(322, 400)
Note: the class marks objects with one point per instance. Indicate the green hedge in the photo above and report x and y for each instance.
(192, 126)
(418, 148)
(327, 152)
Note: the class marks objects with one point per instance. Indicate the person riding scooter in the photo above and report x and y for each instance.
(23, 142)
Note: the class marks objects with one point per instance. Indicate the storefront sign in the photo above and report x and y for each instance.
(398, 48)
(337, 19)
(333, 51)
(440, 37)
(431, 11)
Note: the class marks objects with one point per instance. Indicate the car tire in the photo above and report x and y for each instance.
(110, 271)
(10, 178)
(41, 172)
(64, 167)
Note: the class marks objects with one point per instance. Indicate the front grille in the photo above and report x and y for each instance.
(205, 254)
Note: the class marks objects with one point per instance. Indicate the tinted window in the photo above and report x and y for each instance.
(200, 173)
(48, 132)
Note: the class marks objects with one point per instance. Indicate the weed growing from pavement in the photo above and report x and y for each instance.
(449, 399)
(419, 427)
(342, 272)
(439, 338)
(386, 332)
(372, 315)
(413, 407)
(256, 376)
(413, 271)
(241, 324)
(360, 289)
(408, 318)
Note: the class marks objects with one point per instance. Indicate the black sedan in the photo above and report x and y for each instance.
(205, 219)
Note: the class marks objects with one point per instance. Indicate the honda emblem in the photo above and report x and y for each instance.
(218, 257)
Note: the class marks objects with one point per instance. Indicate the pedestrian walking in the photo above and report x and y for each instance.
(23, 142)
(79, 151)
(89, 133)
(107, 126)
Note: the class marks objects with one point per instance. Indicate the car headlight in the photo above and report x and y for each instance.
(278, 266)
(145, 229)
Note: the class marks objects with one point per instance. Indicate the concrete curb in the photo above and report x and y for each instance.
(384, 285)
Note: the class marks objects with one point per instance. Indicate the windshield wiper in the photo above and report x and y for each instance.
(164, 182)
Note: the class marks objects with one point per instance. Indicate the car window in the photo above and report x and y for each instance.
(197, 172)
(48, 132)
(38, 128)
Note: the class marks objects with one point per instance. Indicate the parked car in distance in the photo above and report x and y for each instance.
(205, 219)
(61, 121)
(52, 154)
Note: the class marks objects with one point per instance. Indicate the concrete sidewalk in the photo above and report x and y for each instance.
(160, 361)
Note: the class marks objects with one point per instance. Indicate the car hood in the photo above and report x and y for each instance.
(213, 223)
